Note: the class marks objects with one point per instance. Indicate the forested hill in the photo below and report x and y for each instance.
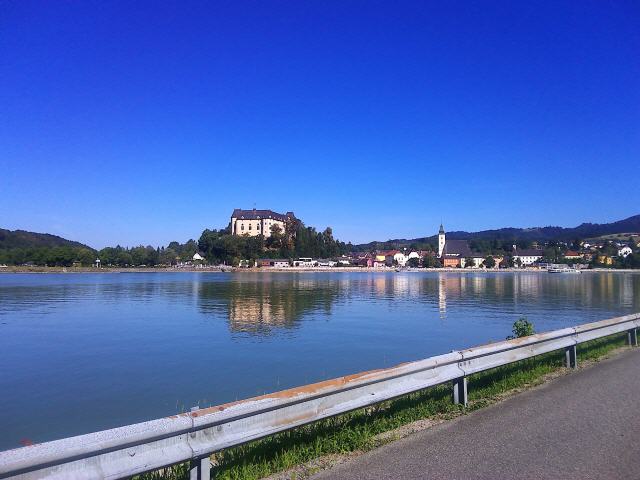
(540, 234)
(22, 239)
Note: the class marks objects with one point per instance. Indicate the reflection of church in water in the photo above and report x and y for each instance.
(453, 287)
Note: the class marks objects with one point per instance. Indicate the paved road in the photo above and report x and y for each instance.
(584, 425)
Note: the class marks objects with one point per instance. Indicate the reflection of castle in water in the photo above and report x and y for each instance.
(259, 304)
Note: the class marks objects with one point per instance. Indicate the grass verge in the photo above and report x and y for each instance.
(363, 429)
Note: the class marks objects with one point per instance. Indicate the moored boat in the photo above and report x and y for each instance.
(563, 270)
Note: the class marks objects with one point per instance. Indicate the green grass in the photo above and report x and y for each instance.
(359, 430)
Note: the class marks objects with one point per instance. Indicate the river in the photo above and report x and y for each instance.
(85, 352)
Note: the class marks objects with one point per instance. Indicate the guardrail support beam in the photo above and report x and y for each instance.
(200, 469)
(632, 337)
(460, 391)
(571, 357)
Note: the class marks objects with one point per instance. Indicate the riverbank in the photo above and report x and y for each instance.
(227, 269)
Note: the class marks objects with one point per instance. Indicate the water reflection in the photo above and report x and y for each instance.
(257, 304)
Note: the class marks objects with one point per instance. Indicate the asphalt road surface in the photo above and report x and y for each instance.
(583, 425)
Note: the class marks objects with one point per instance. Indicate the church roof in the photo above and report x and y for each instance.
(459, 248)
(441, 229)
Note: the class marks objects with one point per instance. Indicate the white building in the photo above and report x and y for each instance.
(527, 256)
(325, 262)
(400, 258)
(625, 251)
(304, 262)
(413, 254)
(258, 222)
(273, 262)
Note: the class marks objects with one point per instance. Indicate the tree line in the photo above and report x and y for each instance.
(64, 256)
(218, 246)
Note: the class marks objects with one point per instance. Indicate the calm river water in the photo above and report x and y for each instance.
(85, 352)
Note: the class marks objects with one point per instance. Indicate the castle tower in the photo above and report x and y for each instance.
(441, 241)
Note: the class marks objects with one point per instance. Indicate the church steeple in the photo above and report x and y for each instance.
(441, 241)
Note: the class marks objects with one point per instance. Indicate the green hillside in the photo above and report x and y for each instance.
(20, 247)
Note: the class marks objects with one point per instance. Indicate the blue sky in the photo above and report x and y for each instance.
(141, 123)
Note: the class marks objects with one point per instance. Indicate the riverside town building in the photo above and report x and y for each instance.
(258, 222)
(454, 253)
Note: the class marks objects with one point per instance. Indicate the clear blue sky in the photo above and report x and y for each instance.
(145, 122)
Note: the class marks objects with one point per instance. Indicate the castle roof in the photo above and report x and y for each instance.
(259, 214)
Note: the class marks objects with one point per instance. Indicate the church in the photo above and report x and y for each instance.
(453, 253)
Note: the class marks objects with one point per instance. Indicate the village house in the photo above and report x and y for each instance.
(527, 256)
(362, 260)
(326, 262)
(418, 255)
(625, 251)
(305, 262)
(258, 222)
(273, 263)
(365, 262)
(343, 260)
(571, 255)
(414, 254)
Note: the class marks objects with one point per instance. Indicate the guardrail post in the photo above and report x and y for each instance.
(460, 391)
(200, 469)
(632, 337)
(571, 357)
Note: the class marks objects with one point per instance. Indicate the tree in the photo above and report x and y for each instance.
(413, 262)
(468, 262)
(489, 262)
(86, 257)
(276, 239)
(552, 254)
(431, 262)
(168, 256)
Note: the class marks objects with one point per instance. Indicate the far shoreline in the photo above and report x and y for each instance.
(226, 269)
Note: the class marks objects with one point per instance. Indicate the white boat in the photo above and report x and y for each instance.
(563, 270)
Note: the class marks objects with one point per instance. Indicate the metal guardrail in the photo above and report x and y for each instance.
(125, 451)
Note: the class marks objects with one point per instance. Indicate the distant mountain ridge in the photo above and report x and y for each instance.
(10, 239)
(23, 239)
(540, 234)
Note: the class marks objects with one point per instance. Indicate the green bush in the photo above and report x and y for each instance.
(521, 328)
